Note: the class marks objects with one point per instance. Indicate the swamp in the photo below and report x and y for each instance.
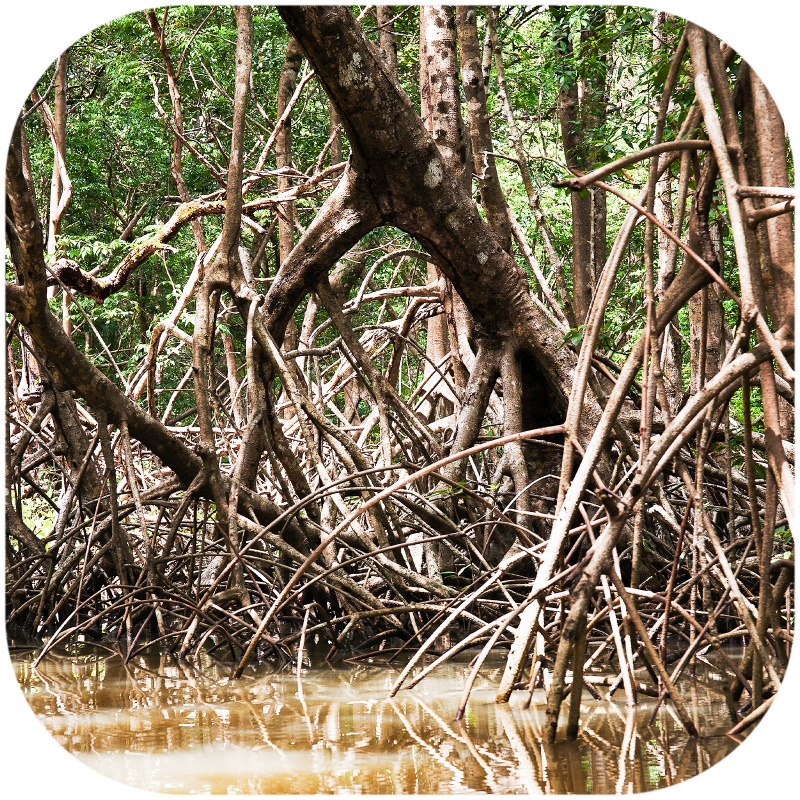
(399, 399)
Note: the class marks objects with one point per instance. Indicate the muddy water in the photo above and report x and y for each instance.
(158, 726)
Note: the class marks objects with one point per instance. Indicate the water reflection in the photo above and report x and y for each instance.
(159, 725)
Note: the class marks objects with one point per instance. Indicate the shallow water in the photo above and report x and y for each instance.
(159, 726)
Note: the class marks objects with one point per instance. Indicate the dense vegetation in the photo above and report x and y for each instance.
(405, 330)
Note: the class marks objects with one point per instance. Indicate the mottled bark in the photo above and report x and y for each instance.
(388, 44)
(336, 143)
(492, 197)
(439, 89)
(434, 70)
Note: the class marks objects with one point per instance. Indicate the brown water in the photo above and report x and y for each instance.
(158, 726)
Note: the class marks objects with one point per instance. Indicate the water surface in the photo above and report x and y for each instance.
(161, 726)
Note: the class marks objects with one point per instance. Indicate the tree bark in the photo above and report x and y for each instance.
(414, 190)
(492, 197)
(582, 109)
(283, 161)
(388, 44)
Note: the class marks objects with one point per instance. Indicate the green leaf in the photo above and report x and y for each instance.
(574, 336)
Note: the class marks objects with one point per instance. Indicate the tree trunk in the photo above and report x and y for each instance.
(491, 192)
(582, 110)
(283, 161)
